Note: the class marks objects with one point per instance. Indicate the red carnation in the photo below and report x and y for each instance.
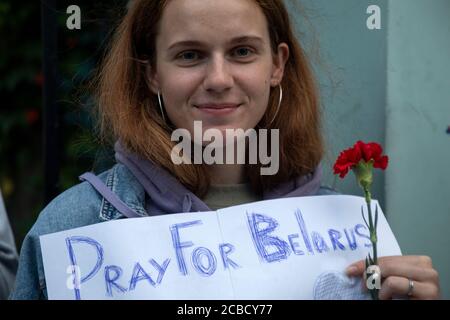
(350, 158)
(361, 159)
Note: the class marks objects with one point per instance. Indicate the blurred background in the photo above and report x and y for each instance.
(389, 85)
(44, 150)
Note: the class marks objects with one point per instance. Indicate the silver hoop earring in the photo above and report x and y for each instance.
(279, 104)
(161, 107)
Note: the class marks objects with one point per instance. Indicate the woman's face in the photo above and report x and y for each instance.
(214, 63)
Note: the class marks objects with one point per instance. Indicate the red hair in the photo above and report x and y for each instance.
(128, 110)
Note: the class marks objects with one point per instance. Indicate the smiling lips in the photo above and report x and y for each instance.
(217, 109)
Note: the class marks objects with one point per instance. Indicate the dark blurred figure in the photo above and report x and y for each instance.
(8, 254)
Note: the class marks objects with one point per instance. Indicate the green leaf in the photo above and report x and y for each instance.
(364, 218)
(371, 260)
(376, 217)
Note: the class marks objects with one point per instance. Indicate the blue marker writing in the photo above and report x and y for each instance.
(198, 256)
(304, 231)
(111, 280)
(319, 242)
(225, 250)
(358, 227)
(179, 246)
(335, 235)
(263, 241)
(99, 251)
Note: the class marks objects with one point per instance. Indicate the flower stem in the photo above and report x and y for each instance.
(373, 237)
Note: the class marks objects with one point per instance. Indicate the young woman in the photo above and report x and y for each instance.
(232, 64)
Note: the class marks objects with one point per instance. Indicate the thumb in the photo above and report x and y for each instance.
(356, 269)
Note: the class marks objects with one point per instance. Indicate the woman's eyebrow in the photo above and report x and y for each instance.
(186, 43)
(247, 39)
(194, 43)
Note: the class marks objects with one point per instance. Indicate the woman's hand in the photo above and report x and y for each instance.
(396, 273)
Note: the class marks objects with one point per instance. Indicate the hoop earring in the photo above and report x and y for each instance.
(161, 107)
(279, 104)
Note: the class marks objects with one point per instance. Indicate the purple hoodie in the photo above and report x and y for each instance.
(168, 195)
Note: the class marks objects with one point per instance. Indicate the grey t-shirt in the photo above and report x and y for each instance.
(222, 196)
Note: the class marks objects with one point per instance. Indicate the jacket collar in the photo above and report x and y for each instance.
(120, 180)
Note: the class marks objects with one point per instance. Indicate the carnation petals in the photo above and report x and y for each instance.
(361, 151)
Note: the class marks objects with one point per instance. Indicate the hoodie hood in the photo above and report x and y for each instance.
(168, 195)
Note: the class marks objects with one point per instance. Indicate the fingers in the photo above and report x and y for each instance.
(394, 287)
(396, 272)
(415, 272)
(423, 262)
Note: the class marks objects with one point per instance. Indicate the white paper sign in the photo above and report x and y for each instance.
(295, 248)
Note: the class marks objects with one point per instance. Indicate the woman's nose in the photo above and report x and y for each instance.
(218, 77)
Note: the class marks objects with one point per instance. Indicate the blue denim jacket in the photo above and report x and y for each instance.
(8, 253)
(79, 206)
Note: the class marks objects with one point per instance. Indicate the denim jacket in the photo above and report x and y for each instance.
(79, 206)
(8, 254)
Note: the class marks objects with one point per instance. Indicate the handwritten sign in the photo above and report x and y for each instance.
(294, 248)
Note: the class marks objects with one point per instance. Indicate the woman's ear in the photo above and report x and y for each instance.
(279, 62)
(152, 79)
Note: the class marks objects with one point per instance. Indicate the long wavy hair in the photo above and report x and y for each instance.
(128, 111)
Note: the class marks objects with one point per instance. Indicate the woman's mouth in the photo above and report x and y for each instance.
(218, 109)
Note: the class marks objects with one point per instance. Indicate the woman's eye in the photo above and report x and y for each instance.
(188, 55)
(243, 52)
